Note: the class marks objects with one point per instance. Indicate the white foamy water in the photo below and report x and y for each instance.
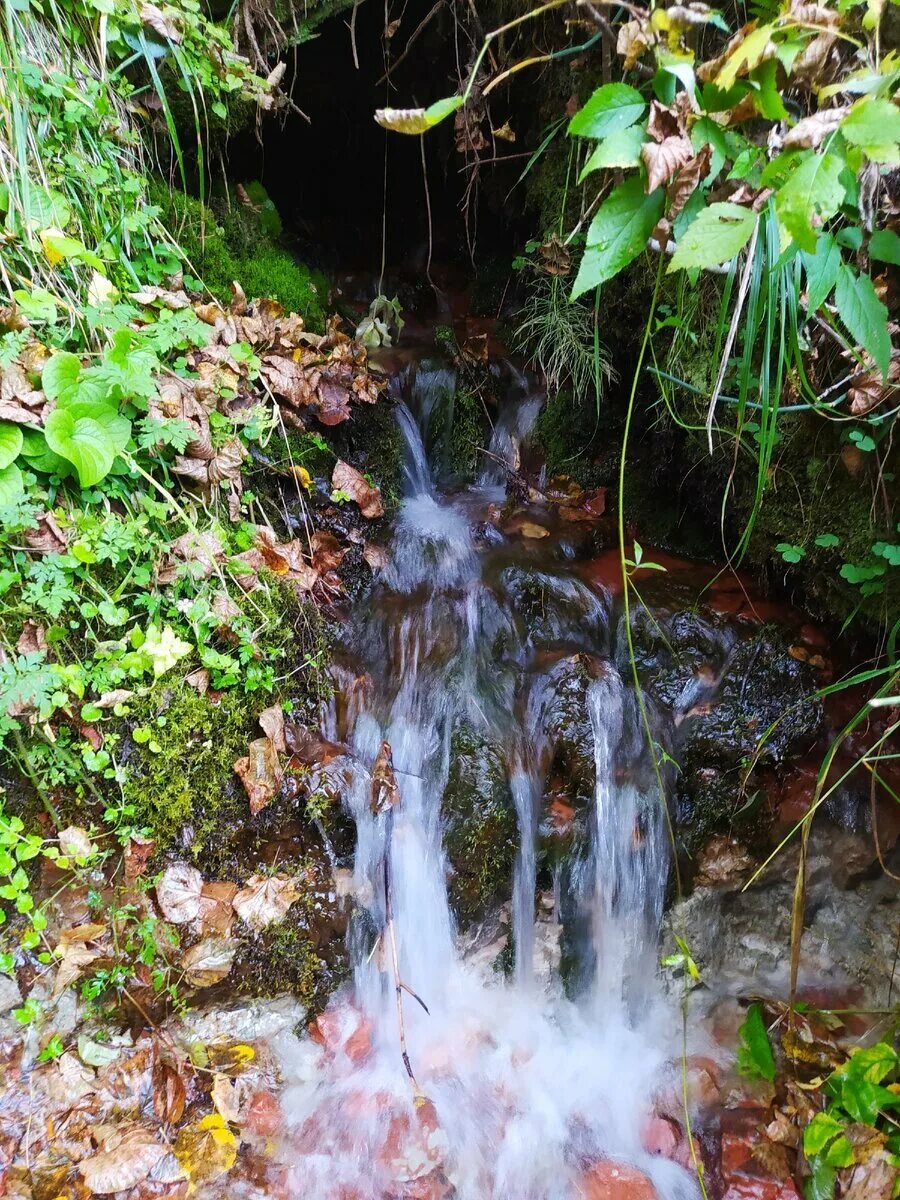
(516, 1091)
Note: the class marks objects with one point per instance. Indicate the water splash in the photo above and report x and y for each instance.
(519, 1091)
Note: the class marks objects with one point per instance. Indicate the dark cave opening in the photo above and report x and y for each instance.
(334, 176)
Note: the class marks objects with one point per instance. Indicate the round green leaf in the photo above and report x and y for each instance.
(10, 443)
(40, 457)
(118, 428)
(613, 106)
(84, 441)
(12, 485)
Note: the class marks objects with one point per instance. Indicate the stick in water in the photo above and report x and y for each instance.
(385, 798)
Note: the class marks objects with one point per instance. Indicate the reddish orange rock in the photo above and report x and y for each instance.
(608, 1180)
(344, 1029)
(264, 1114)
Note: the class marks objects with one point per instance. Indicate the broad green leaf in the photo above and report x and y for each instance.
(819, 1132)
(44, 206)
(873, 1063)
(40, 457)
(60, 377)
(706, 131)
(820, 1184)
(117, 427)
(745, 56)
(10, 443)
(885, 247)
(754, 1057)
(620, 149)
(613, 106)
(12, 485)
(873, 123)
(813, 192)
(864, 315)
(418, 120)
(766, 94)
(821, 271)
(85, 442)
(618, 233)
(714, 237)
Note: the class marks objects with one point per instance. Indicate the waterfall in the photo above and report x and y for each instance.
(517, 1089)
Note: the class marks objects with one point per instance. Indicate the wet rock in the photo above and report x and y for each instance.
(722, 860)
(250, 1021)
(10, 996)
(609, 1180)
(480, 827)
(752, 1167)
(342, 1029)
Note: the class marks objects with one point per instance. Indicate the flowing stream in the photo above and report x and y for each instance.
(518, 1088)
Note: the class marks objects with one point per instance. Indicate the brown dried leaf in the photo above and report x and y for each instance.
(168, 1092)
(198, 680)
(686, 181)
(238, 299)
(128, 1163)
(271, 721)
(555, 259)
(812, 131)
(153, 16)
(634, 40)
(811, 65)
(47, 537)
(138, 853)
(327, 552)
(227, 462)
(208, 962)
(376, 556)
(288, 379)
(347, 479)
(174, 301)
(385, 792)
(216, 908)
(75, 843)
(333, 398)
(664, 122)
(265, 899)
(261, 773)
(663, 159)
(32, 639)
(178, 893)
(71, 965)
(870, 391)
(873, 1179)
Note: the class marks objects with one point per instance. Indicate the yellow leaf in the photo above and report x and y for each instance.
(305, 478)
(206, 1149)
(230, 1057)
(48, 237)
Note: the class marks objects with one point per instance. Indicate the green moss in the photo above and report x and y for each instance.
(480, 830)
(568, 432)
(224, 243)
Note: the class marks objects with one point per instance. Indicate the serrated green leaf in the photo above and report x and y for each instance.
(620, 149)
(613, 106)
(885, 247)
(873, 124)
(717, 234)
(819, 1132)
(810, 196)
(618, 233)
(864, 315)
(754, 1057)
(821, 271)
(10, 442)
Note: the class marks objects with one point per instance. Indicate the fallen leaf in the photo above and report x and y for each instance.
(32, 639)
(327, 552)
(138, 853)
(261, 773)
(347, 479)
(265, 899)
(178, 893)
(198, 680)
(124, 1166)
(333, 402)
(153, 16)
(207, 1149)
(208, 962)
(75, 843)
(169, 1092)
(72, 963)
(376, 556)
(232, 1097)
(216, 908)
(47, 537)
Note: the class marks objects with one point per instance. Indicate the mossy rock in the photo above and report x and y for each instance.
(226, 241)
(480, 827)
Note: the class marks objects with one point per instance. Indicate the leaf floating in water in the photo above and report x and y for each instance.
(417, 120)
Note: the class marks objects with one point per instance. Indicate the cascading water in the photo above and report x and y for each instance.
(516, 1092)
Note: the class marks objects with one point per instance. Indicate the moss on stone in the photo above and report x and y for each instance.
(224, 242)
(479, 825)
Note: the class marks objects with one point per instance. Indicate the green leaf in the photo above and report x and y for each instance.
(60, 377)
(715, 237)
(40, 457)
(613, 106)
(10, 442)
(12, 485)
(85, 442)
(754, 1056)
(812, 191)
(766, 95)
(705, 132)
(864, 315)
(618, 233)
(789, 552)
(820, 1184)
(620, 149)
(826, 540)
(819, 1132)
(873, 124)
(885, 247)
(821, 271)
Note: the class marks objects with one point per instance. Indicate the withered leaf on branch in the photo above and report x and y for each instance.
(664, 122)
(685, 181)
(385, 792)
(812, 131)
(664, 158)
(345, 478)
(153, 16)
